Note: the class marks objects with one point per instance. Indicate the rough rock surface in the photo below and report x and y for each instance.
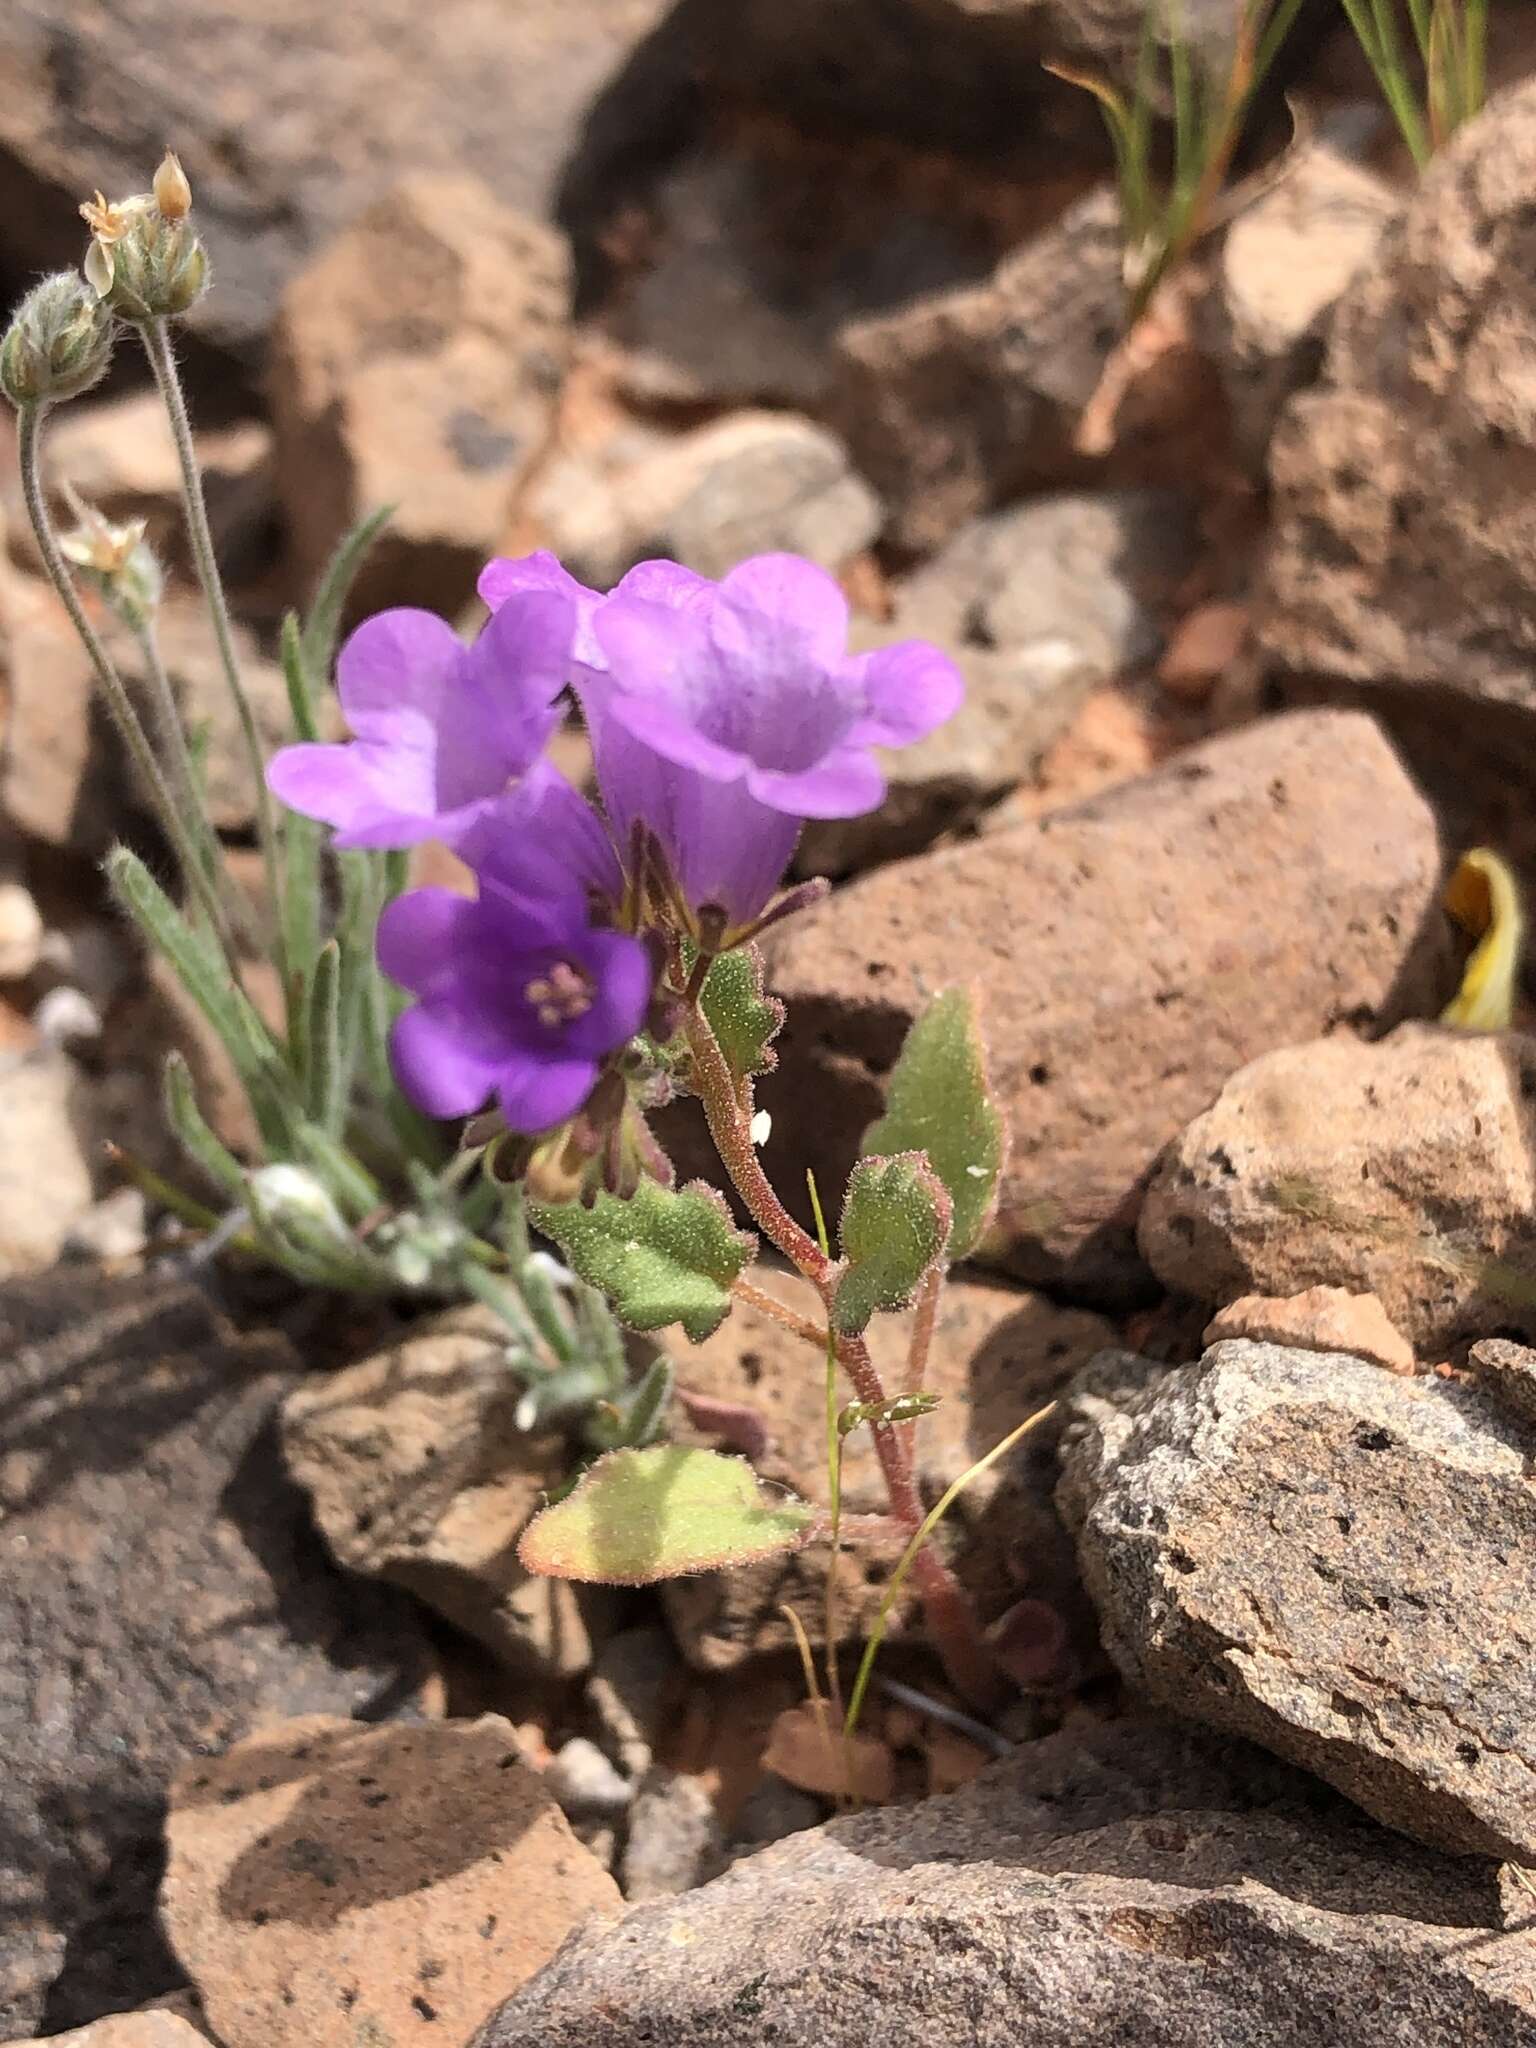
(45, 1175)
(417, 359)
(749, 483)
(330, 1884)
(1403, 560)
(1317, 1319)
(420, 1476)
(968, 396)
(1105, 1886)
(1508, 1371)
(1335, 1562)
(161, 1590)
(1131, 952)
(126, 2030)
(1406, 1168)
(328, 107)
(62, 777)
(1038, 605)
(1285, 262)
(996, 1356)
(1403, 550)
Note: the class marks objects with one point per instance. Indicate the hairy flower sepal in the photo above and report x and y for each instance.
(58, 344)
(640, 1516)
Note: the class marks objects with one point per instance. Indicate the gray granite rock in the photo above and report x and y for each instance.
(1108, 1886)
(1330, 1560)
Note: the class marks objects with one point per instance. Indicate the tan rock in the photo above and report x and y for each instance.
(967, 396)
(1318, 1319)
(1203, 646)
(330, 1883)
(1037, 605)
(45, 1174)
(1402, 1168)
(1402, 562)
(420, 1475)
(1509, 1372)
(117, 453)
(1285, 263)
(125, 2030)
(1129, 954)
(417, 358)
(330, 109)
(997, 1355)
(61, 778)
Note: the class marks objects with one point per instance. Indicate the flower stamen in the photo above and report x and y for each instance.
(560, 995)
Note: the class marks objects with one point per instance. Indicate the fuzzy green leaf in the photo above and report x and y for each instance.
(661, 1257)
(939, 1102)
(895, 1225)
(639, 1516)
(744, 1020)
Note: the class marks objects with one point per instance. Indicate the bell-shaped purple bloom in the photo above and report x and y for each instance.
(442, 731)
(520, 996)
(722, 715)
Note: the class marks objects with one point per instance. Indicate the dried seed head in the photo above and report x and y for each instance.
(146, 259)
(173, 195)
(117, 561)
(58, 344)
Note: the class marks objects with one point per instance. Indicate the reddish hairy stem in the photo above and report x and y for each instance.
(781, 1312)
(951, 1621)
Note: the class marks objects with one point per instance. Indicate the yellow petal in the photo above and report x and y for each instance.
(1483, 898)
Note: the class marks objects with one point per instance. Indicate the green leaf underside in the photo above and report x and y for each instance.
(663, 1256)
(938, 1102)
(895, 1224)
(639, 1516)
(744, 1020)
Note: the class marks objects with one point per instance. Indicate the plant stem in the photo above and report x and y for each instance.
(954, 1627)
(730, 1125)
(768, 1305)
(119, 703)
(162, 360)
(173, 742)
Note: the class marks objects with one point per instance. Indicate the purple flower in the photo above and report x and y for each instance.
(723, 715)
(442, 730)
(519, 996)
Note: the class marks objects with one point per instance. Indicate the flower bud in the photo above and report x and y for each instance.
(59, 343)
(145, 263)
(173, 195)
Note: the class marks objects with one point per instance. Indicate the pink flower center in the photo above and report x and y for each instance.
(560, 995)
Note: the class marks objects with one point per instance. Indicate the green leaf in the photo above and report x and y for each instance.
(895, 1225)
(638, 1516)
(938, 1101)
(301, 704)
(744, 1020)
(894, 1408)
(322, 629)
(662, 1256)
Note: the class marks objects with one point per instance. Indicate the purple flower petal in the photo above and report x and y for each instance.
(419, 933)
(797, 597)
(535, 1095)
(392, 673)
(509, 577)
(623, 979)
(435, 1066)
(545, 839)
(843, 784)
(910, 689)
